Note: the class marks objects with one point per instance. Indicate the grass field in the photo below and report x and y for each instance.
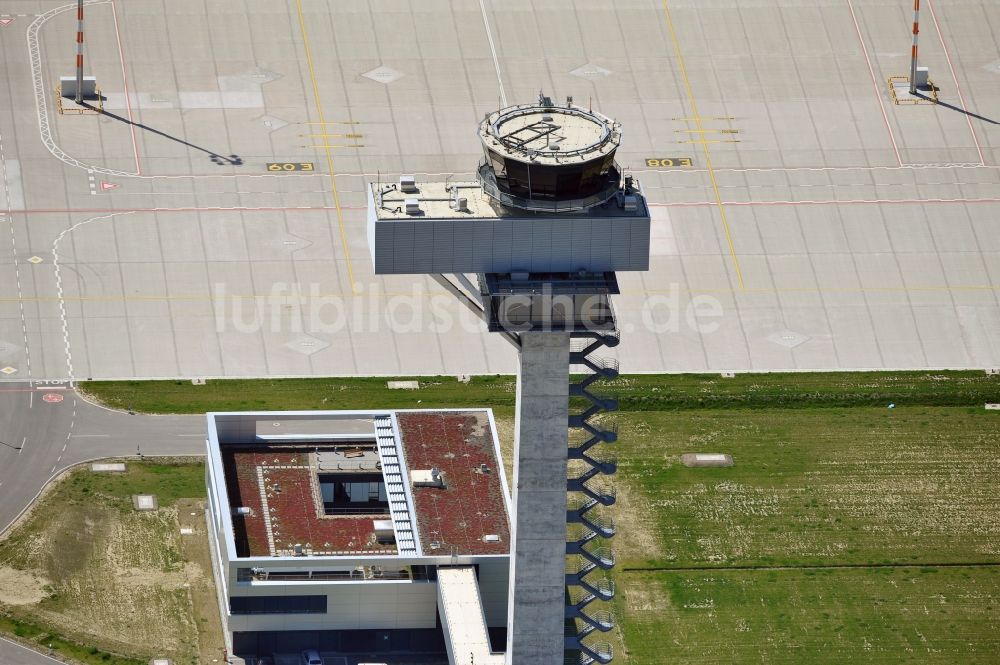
(839, 535)
(859, 485)
(107, 584)
(883, 615)
(635, 392)
(845, 532)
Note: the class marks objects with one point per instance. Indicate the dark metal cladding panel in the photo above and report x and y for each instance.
(482, 246)
(535, 244)
(600, 245)
(581, 232)
(444, 246)
(502, 238)
(562, 244)
(402, 240)
(520, 245)
(423, 248)
(463, 239)
(541, 246)
(621, 242)
(639, 239)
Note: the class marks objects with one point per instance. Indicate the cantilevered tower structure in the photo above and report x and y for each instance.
(533, 246)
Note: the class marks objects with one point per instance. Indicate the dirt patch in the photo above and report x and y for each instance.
(505, 432)
(174, 579)
(200, 579)
(103, 575)
(22, 587)
(636, 538)
(644, 595)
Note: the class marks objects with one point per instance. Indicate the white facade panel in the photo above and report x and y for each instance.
(364, 605)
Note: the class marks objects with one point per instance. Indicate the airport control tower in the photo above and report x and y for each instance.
(533, 246)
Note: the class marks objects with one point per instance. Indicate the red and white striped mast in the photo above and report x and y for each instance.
(913, 55)
(79, 52)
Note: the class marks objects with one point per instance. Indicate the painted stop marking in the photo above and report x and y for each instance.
(52, 398)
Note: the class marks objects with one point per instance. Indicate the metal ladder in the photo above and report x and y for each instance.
(588, 495)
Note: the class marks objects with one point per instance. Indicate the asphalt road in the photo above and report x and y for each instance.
(12, 653)
(46, 429)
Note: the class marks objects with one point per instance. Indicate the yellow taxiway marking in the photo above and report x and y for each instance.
(710, 141)
(333, 145)
(332, 122)
(329, 155)
(713, 117)
(708, 157)
(706, 131)
(338, 136)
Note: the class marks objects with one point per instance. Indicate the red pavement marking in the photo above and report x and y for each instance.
(52, 398)
(6, 21)
(109, 185)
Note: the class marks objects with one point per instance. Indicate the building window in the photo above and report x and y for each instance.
(355, 493)
(277, 605)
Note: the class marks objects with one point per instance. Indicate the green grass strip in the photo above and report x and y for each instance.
(653, 392)
(43, 640)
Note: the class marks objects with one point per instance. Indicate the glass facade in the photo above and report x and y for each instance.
(551, 181)
(277, 605)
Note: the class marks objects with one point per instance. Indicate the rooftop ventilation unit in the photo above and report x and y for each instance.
(407, 183)
(427, 478)
(384, 533)
(631, 203)
(412, 206)
(491, 538)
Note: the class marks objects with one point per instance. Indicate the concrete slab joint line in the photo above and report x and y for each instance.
(875, 83)
(958, 87)
(707, 153)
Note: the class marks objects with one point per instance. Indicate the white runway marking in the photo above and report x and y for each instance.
(59, 290)
(493, 50)
(878, 92)
(8, 205)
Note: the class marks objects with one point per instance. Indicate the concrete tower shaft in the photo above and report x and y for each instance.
(546, 226)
